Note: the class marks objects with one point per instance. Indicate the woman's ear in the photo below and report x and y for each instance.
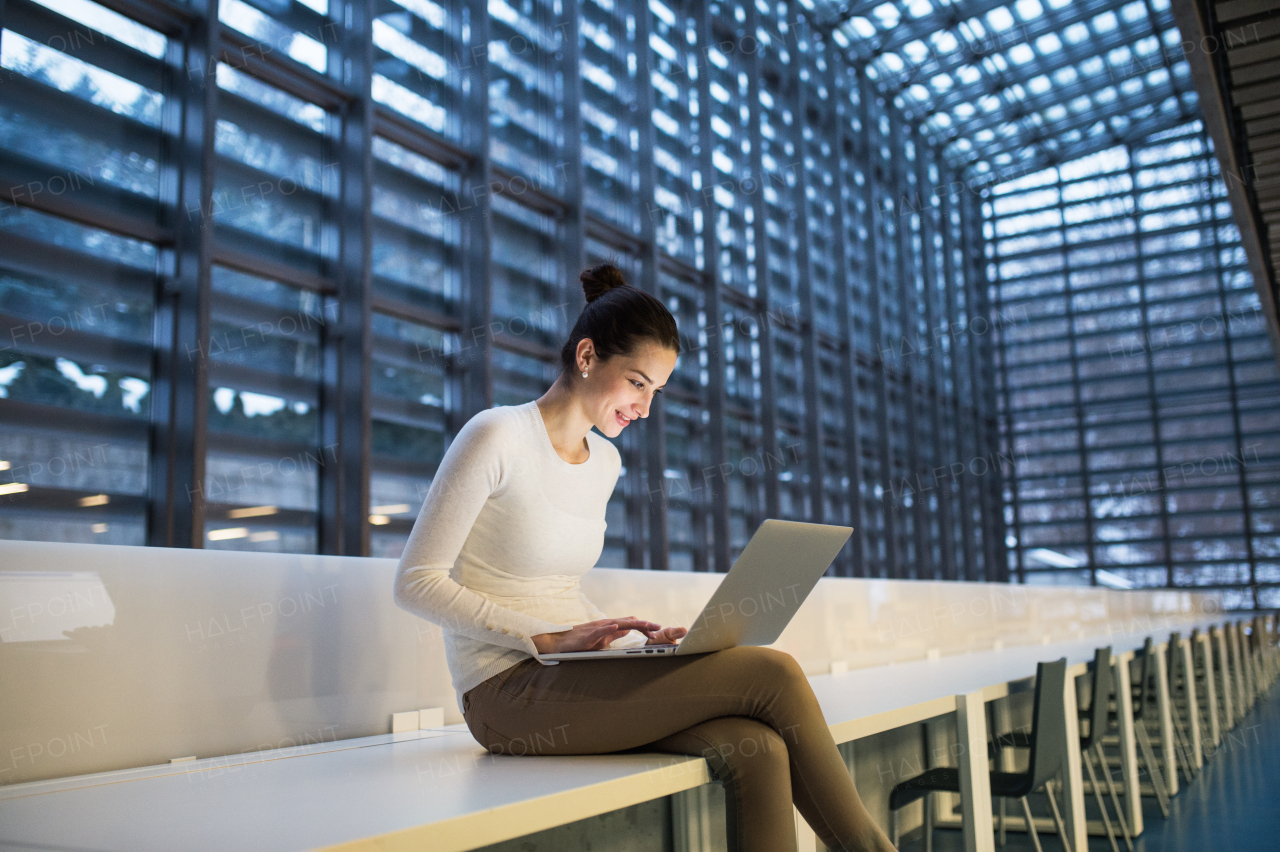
(586, 355)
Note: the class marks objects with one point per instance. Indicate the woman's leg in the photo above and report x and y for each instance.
(601, 706)
(752, 761)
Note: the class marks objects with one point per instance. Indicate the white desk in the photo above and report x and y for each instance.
(441, 790)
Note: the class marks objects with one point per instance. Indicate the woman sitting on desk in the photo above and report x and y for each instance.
(516, 515)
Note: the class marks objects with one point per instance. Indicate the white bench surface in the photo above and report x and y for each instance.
(439, 789)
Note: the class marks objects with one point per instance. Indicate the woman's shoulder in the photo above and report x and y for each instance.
(499, 426)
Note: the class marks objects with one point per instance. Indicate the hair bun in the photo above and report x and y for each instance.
(599, 280)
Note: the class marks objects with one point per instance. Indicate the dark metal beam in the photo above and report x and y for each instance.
(651, 483)
(345, 396)
(906, 274)
(874, 169)
(474, 369)
(929, 266)
(990, 500)
(180, 373)
(853, 430)
(718, 510)
(808, 333)
(966, 442)
(768, 383)
(1157, 439)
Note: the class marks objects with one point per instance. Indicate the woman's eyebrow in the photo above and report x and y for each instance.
(646, 378)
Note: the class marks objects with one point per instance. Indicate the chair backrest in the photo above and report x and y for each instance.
(1175, 660)
(1048, 717)
(1197, 654)
(1099, 697)
(1139, 688)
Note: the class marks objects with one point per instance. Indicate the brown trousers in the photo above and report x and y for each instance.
(748, 710)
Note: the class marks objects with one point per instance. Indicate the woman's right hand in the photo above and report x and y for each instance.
(592, 635)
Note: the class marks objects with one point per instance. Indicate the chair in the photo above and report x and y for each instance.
(1096, 717)
(1147, 754)
(1205, 688)
(1184, 756)
(1045, 759)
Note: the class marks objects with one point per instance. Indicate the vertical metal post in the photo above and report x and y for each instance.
(719, 502)
(768, 386)
(874, 169)
(961, 356)
(475, 362)
(180, 367)
(653, 485)
(808, 329)
(848, 380)
(989, 486)
(1156, 439)
(1001, 356)
(929, 267)
(920, 566)
(345, 400)
(573, 233)
(994, 526)
(1077, 400)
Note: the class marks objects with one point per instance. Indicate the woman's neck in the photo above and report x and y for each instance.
(567, 424)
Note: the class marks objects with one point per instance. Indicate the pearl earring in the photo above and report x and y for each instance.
(584, 374)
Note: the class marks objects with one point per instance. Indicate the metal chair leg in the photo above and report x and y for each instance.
(893, 827)
(1097, 795)
(1003, 819)
(1031, 824)
(1182, 749)
(1057, 816)
(928, 822)
(1153, 770)
(1115, 798)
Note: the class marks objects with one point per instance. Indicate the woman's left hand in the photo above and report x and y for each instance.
(665, 636)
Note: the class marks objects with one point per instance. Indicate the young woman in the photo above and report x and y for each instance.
(516, 515)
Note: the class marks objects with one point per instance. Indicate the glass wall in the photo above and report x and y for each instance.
(1140, 392)
(247, 302)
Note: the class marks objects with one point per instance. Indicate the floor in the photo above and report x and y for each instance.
(1234, 803)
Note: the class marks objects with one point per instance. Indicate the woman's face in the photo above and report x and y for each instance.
(621, 389)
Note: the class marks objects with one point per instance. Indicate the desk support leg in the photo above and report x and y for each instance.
(975, 773)
(1167, 747)
(1237, 670)
(1128, 746)
(1224, 680)
(1193, 702)
(691, 820)
(1246, 658)
(1215, 732)
(1073, 773)
(944, 801)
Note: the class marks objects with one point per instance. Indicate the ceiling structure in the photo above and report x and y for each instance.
(1006, 88)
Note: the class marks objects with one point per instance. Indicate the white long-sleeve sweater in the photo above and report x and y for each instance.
(506, 530)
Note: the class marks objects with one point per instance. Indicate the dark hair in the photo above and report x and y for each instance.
(616, 317)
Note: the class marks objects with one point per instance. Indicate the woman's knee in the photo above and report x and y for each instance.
(768, 663)
(737, 742)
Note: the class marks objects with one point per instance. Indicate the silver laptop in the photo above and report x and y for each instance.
(759, 596)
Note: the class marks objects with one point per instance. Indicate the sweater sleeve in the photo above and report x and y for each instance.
(471, 470)
(631, 640)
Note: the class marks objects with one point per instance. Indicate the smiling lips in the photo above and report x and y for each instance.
(618, 414)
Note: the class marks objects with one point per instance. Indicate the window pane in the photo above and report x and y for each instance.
(264, 454)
